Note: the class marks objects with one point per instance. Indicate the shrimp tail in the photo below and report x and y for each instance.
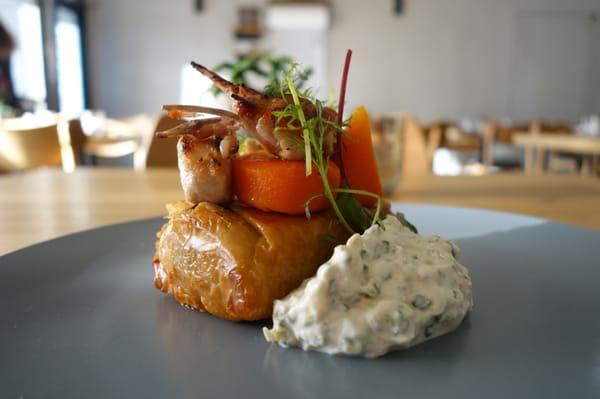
(202, 128)
(239, 91)
(220, 82)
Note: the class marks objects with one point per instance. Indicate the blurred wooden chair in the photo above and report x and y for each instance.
(154, 152)
(455, 139)
(535, 159)
(76, 139)
(463, 143)
(420, 145)
(495, 133)
(119, 137)
(497, 144)
(487, 135)
(25, 149)
(424, 140)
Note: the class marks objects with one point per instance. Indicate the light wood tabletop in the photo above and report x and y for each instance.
(537, 144)
(559, 142)
(48, 203)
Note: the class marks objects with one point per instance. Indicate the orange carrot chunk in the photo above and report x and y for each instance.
(359, 159)
(275, 185)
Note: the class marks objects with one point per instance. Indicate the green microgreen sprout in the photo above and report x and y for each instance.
(312, 134)
(302, 119)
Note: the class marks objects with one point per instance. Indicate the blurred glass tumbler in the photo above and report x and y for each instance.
(388, 144)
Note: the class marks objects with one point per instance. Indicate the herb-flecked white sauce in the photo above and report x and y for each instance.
(384, 290)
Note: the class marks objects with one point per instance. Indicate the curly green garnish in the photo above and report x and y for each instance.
(347, 209)
(302, 119)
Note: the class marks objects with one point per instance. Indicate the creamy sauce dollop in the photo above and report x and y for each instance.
(384, 290)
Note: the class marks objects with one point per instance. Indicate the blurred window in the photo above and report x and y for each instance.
(28, 66)
(69, 61)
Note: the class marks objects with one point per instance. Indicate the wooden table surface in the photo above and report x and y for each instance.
(48, 203)
(559, 142)
(536, 146)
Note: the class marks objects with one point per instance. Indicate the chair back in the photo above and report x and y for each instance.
(454, 138)
(488, 133)
(25, 149)
(77, 139)
(155, 152)
(419, 147)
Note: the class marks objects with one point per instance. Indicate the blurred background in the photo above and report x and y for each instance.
(461, 87)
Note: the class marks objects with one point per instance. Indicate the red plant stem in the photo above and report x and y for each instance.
(341, 101)
(343, 86)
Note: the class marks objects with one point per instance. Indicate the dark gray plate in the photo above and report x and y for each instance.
(80, 318)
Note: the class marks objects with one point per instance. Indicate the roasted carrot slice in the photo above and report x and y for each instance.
(275, 185)
(359, 159)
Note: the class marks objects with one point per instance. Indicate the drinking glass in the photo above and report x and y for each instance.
(388, 144)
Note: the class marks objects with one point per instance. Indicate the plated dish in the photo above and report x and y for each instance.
(283, 217)
(80, 318)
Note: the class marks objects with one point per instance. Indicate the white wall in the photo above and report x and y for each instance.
(439, 59)
(136, 49)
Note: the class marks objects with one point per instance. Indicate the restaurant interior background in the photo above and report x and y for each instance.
(476, 89)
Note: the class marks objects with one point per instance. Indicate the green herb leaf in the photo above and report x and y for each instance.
(348, 210)
(302, 119)
(353, 212)
(329, 237)
(406, 223)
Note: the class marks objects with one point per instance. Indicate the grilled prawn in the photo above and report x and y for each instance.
(206, 145)
(256, 113)
(204, 153)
